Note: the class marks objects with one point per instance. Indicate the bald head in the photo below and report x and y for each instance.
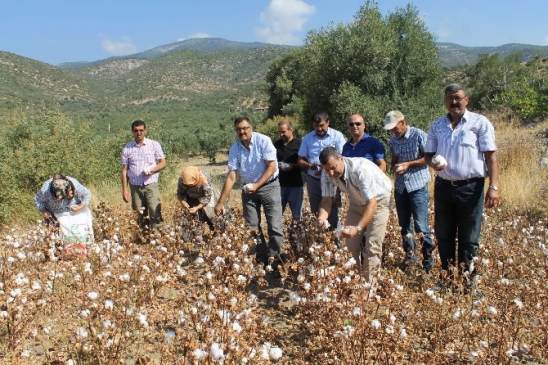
(356, 126)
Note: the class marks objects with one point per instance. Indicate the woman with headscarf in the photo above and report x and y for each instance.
(195, 192)
(64, 203)
(61, 194)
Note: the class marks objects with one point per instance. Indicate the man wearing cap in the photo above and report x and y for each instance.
(411, 195)
(466, 140)
(253, 159)
(142, 160)
(362, 144)
(368, 190)
(309, 153)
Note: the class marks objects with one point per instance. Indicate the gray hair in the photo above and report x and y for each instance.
(453, 88)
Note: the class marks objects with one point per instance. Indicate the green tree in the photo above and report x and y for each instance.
(369, 66)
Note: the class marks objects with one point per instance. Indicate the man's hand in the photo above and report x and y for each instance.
(125, 196)
(492, 198)
(219, 208)
(323, 224)
(193, 210)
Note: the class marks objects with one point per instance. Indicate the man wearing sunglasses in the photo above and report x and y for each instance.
(362, 144)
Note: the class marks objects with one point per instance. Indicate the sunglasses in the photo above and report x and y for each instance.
(357, 124)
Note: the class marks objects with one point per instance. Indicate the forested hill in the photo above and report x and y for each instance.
(192, 79)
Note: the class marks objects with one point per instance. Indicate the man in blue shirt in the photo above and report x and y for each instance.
(362, 144)
(412, 177)
(309, 159)
(253, 158)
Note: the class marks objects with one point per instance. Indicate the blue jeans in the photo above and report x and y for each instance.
(269, 197)
(414, 205)
(458, 212)
(293, 195)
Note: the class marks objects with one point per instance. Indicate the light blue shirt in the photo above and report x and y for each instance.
(251, 164)
(312, 145)
(462, 147)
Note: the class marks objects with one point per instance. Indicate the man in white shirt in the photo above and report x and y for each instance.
(368, 190)
(466, 141)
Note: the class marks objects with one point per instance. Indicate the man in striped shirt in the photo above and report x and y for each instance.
(411, 195)
(142, 160)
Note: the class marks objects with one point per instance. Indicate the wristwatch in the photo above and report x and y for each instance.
(359, 229)
(494, 187)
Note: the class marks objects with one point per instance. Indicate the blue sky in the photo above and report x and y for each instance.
(70, 30)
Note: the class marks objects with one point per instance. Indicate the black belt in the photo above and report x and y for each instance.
(270, 181)
(460, 182)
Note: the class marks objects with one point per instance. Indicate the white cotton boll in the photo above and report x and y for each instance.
(275, 353)
(483, 344)
(237, 327)
(84, 313)
(457, 314)
(474, 313)
(242, 279)
(438, 300)
(357, 311)
(199, 354)
(209, 275)
(473, 355)
(430, 293)
(492, 310)
(505, 281)
(107, 324)
(81, 333)
(109, 304)
(199, 260)
(36, 285)
(25, 353)
(306, 286)
(392, 318)
(93, 295)
(252, 299)
(216, 352)
(389, 330)
(403, 333)
(518, 303)
(439, 161)
(375, 324)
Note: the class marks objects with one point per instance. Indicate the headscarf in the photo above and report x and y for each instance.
(61, 187)
(193, 176)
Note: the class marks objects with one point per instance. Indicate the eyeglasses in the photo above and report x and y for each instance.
(357, 124)
(458, 99)
(242, 129)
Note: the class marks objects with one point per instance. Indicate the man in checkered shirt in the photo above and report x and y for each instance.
(411, 190)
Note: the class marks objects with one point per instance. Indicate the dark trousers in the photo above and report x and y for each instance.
(458, 215)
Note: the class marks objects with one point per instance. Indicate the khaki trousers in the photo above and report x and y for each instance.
(373, 235)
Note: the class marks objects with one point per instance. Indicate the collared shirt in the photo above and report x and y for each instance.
(363, 181)
(137, 158)
(312, 145)
(368, 147)
(45, 200)
(289, 154)
(410, 147)
(462, 147)
(251, 164)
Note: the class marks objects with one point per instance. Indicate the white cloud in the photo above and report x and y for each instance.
(282, 19)
(195, 35)
(122, 48)
(545, 40)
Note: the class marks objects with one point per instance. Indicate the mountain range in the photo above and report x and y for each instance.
(192, 76)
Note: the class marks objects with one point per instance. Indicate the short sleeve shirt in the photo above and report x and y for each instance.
(251, 164)
(368, 147)
(312, 145)
(289, 154)
(363, 181)
(139, 157)
(462, 147)
(410, 147)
